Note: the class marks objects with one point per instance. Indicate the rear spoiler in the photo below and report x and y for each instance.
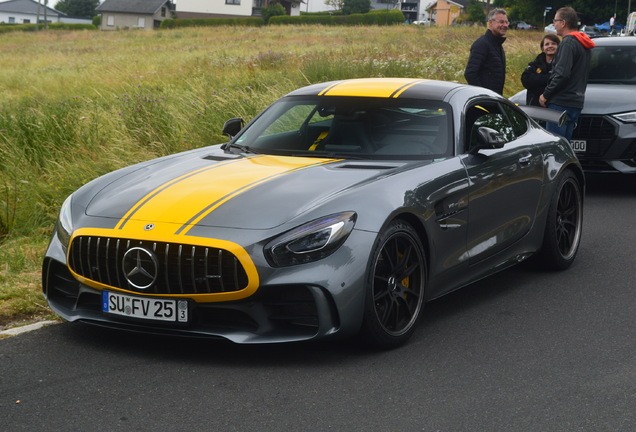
(544, 114)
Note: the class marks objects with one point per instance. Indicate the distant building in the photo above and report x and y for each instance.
(413, 10)
(445, 12)
(134, 14)
(231, 8)
(30, 12)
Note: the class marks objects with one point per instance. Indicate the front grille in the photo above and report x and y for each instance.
(598, 132)
(172, 268)
(590, 127)
(630, 151)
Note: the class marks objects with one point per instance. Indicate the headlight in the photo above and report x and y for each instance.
(64, 224)
(310, 242)
(629, 117)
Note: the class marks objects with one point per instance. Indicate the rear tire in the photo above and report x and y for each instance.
(395, 288)
(563, 228)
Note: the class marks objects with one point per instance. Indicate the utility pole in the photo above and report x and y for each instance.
(545, 12)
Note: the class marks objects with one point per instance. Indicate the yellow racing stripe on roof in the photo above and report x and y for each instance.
(173, 201)
(371, 87)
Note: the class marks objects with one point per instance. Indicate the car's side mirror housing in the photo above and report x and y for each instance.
(233, 127)
(488, 138)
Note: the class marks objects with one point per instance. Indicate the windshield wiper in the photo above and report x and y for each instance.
(330, 155)
(242, 148)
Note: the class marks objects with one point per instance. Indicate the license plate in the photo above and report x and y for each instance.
(155, 309)
(578, 145)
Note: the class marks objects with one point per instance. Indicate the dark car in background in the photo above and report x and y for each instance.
(605, 136)
(591, 31)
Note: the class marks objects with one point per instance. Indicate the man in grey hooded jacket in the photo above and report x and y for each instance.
(568, 80)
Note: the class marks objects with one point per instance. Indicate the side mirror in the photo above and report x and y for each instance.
(233, 127)
(488, 138)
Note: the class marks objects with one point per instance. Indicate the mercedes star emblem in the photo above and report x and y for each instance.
(140, 267)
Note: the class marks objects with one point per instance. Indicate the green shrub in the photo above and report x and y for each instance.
(5, 28)
(211, 22)
(274, 9)
(356, 7)
(284, 19)
(382, 17)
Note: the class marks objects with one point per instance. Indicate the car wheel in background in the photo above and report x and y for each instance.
(396, 282)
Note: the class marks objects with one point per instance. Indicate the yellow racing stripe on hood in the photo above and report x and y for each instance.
(172, 203)
(371, 87)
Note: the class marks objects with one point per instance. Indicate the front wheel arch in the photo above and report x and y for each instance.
(395, 286)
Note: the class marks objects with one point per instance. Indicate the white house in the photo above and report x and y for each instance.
(230, 8)
(28, 12)
(414, 10)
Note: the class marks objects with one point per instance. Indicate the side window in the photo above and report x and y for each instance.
(488, 114)
(517, 120)
(498, 122)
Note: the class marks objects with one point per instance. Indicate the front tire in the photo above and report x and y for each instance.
(564, 224)
(395, 288)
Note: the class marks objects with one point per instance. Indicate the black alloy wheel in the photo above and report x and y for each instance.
(564, 225)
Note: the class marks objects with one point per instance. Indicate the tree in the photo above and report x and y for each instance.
(336, 5)
(475, 11)
(78, 8)
(274, 9)
(356, 6)
(591, 11)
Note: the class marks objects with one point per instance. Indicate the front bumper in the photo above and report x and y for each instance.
(611, 145)
(282, 313)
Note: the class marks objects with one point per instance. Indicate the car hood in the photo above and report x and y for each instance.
(609, 99)
(256, 192)
(599, 99)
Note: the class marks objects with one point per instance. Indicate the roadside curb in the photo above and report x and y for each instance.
(27, 328)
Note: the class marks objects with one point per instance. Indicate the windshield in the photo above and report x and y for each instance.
(357, 127)
(613, 64)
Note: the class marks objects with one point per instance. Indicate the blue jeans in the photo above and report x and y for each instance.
(568, 127)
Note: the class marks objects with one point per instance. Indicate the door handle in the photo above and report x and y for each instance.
(525, 159)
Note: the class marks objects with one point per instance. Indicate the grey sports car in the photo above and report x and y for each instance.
(605, 136)
(338, 211)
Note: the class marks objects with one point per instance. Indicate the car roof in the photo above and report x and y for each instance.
(382, 88)
(616, 41)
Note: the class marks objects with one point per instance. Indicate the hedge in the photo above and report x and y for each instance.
(5, 28)
(207, 22)
(375, 17)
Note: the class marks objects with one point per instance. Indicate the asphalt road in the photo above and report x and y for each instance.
(521, 351)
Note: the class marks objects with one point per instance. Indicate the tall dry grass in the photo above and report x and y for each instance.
(75, 105)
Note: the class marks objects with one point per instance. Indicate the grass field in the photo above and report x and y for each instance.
(75, 105)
